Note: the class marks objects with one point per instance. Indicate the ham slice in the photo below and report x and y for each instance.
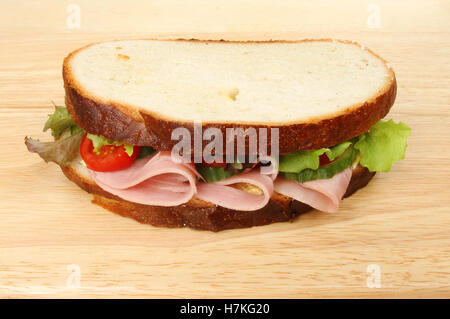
(222, 194)
(159, 180)
(271, 169)
(322, 194)
(154, 180)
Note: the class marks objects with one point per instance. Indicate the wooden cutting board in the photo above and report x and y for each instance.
(391, 239)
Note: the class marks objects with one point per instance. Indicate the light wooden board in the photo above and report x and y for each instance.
(399, 223)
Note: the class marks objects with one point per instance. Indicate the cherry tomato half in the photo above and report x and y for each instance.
(109, 158)
(214, 164)
(324, 160)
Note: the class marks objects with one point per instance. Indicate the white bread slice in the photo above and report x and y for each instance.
(317, 93)
(224, 82)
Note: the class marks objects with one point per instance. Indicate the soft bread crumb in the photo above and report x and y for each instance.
(266, 82)
(123, 57)
(229, 93)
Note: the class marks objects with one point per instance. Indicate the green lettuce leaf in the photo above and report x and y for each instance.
(327, 171)
(146, 151)
(337, 150)
(296, 162)
(74, 129)
(62, 151)
(99, 141)
(59, 121)
(383, 145)
(213, 174)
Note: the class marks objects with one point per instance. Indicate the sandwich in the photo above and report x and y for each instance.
(300, 124)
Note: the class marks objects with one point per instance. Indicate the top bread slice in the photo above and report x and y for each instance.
(316, 92)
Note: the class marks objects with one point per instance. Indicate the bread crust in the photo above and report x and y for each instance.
(126, 124)
(201, 215)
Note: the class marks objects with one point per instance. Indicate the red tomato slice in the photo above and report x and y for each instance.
(324, 160)
(109, 158)
(214, 164)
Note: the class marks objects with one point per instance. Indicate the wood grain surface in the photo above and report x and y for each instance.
(55, 243)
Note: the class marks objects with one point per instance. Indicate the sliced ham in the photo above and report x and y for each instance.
(322, 194)
(154, 180)
(159, 180)
(271, 169)
(222, 194)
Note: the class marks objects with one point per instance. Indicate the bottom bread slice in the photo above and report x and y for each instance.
(199, 214)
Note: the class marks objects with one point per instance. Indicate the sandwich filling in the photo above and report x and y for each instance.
(144, 175)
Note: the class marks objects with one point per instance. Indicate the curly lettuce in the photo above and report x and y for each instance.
(300, 160)
(99, 141)
(378, 149)
(62, 151)
(59, 121)
(383, 145)
(327, 171)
